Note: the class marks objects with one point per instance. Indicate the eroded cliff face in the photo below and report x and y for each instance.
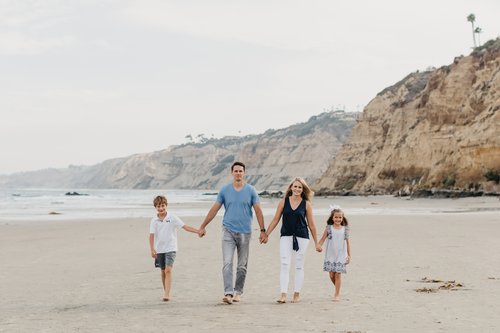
(272, 159)
(437, 129)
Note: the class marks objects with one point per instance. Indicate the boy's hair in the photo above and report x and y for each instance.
(330, 218)
(237, 163)
(160, 199)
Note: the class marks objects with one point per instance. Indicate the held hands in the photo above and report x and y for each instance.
(263, 237)
(319, 248)
(201, 232)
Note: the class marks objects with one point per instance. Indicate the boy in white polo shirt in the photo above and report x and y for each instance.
(163, 241)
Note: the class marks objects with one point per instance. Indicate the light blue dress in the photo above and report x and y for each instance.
(336, 249)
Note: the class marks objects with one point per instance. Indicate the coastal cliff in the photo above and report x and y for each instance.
(433, 130)
(272, 159)
(438, 129)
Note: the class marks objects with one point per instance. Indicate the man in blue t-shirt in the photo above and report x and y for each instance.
(238, 199)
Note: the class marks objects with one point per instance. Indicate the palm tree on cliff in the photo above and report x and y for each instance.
(471, 18)
(478, 31)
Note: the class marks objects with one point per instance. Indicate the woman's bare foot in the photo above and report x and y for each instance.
(282, 298)
(296, 297)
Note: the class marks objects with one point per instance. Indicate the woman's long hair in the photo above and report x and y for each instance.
(306, 190)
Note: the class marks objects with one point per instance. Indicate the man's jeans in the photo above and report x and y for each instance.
(234, 241)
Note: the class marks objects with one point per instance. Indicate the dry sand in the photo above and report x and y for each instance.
(97, 276)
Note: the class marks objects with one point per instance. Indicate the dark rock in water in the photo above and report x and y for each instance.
(267, 194)
(443, 193)
(423, 193)
(75, 193)
(342, 193)
(54, 213)
(210, 193)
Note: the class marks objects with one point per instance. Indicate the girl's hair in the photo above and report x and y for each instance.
(330, 218)
(160, 199)
(306, 190)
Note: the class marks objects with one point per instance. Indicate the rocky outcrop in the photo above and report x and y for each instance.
(272, 159)
(436, 129)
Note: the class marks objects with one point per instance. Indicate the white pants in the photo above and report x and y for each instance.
(286, 251)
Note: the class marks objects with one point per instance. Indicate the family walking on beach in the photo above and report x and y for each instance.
(238, 199)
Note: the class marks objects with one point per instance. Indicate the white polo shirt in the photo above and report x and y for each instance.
(165, 232)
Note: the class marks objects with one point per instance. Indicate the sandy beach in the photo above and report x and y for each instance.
(97, 275)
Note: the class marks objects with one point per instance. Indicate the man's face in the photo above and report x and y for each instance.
(238, 173)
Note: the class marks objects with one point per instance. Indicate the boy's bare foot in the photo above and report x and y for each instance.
(282, 298)
(296, 297)
(237, 298)
(228, 299)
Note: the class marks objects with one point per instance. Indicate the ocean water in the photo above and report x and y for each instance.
(50, 204)
(54, 204)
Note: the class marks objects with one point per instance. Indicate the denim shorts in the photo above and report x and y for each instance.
(165, 259)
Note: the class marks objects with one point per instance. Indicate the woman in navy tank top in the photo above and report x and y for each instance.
(295, 211)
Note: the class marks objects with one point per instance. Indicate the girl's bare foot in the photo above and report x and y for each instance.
(296, 297)
(282, 298)
(336, 298)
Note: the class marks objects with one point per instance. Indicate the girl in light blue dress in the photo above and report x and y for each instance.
(337, 251)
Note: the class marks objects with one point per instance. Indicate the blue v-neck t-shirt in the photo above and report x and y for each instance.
(238, 207)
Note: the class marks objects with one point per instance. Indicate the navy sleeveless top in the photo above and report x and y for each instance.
(294, 222)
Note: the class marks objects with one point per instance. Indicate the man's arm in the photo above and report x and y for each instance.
(210, 216)
(260, 219)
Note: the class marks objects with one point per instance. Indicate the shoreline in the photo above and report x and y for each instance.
(436, 193)
(353, 205)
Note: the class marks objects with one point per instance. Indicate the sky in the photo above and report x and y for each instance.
(82, 81)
